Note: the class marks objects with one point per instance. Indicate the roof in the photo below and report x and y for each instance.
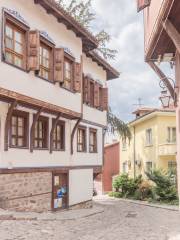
(112, 73)
(52, 7)
(143, 109)
(112, 144)
(151, 114)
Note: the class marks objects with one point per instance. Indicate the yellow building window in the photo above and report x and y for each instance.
(149, 137)
(171, 135)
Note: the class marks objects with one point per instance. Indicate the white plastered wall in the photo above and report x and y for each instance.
(27, 83)
(80, 186)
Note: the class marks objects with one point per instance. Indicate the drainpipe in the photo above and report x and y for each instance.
(134, 149)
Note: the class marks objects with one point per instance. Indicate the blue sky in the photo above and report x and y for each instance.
(137, 80)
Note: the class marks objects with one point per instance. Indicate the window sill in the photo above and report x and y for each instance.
(60, 150)
(16, 147)
(81, 151)
(20, 68)
(70, 90)
(94, 152)
(49, 81)
(96, 108)
(149, 145)
(41, 149)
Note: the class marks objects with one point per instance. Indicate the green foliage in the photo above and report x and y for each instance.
(117, 125)
(82, 12)
(165, 188)
(125, 185)
(115, 194)
(144, 191)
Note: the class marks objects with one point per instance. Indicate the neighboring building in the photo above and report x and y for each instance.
(53, 107)
(153, 143)
(103, 182)
(162, 44)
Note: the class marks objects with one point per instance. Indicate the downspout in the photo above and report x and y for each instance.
(134, 149)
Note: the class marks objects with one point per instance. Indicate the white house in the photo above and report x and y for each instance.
(53, 107)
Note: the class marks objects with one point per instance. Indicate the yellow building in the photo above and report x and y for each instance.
(153, 143)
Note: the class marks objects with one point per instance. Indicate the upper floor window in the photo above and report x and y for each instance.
(171, 135)
(59, 136)
(19, 129)
(68, 73)
(149, 137)
(15, 50)
(92, 140)
(91, 93)
(124, 145)
(81, 139)
(172, 166)
(46, 58)
(41, 133)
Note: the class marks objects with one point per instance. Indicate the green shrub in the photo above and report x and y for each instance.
(125, 185)
(165, 188)
(144, 191)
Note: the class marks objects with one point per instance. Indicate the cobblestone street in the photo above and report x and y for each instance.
(120, 220)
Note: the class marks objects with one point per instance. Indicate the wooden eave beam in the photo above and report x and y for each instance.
(172, 33)
(7, 124)
(26, 101)
(32, 132)
(73, 133)
(164, 78)
(54, 124)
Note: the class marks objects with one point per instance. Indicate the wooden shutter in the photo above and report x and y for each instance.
(33, 50)
(105, 99)
(77, 76)
(141, 4)
(86, 90)
(59, 65)
(96, 95)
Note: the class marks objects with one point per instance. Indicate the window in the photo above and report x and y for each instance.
(41, 133)
(172, 166)
(124, 145)
(93, 141)
(14, 41)
(81, 139)
(59, 136)
(45, 61)
(19, 129)
(68, 73)
(125, 167)
(149, 137)
(91, 94)
(148, 167)
(171, 135)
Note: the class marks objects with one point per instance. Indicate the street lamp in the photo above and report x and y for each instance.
(165, 99)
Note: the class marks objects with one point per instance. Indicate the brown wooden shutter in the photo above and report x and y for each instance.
(96, 95)
(105, 99)
(33, 50)
(59, 65)
(141, 4)
(86, 90)
(77, 76)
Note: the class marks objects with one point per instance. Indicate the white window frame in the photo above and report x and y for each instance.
(170, 137)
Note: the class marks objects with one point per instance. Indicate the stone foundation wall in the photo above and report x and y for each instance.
(26, 191)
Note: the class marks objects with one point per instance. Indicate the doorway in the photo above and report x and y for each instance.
(60, 191)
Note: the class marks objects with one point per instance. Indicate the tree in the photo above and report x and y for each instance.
(82, 12)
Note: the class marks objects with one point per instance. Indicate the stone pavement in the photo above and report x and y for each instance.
(120, 220)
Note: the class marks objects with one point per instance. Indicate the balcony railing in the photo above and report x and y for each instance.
(167, 149)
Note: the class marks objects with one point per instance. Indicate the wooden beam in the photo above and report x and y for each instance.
(7, 124)
(173, 33)
(54, 124)
(73, 133)
(164, 78)
(35, 119)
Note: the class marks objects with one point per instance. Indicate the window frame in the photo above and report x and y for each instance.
(48, 46)
(170, 135)
(13, 22)
(62, 124)
(25, 115)
(149, 166)
(95, 146)
(149, 142)
(71, 60)
(46, 121)
(91, 94)
(84, 144)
